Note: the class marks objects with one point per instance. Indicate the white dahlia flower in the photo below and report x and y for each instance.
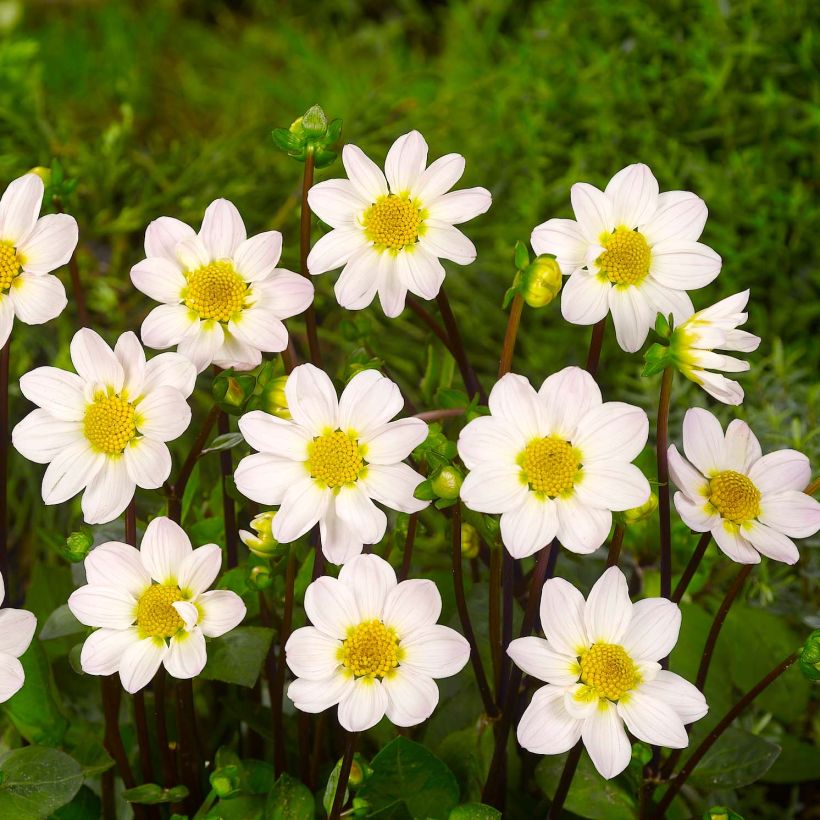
(16, 631)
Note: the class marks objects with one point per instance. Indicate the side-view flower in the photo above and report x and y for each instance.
(600, 661)
(103, 429)
(751, 503)
(391, 229)
(223, 298)
(374, 647)
(150, 606)
(16, 631)
(554, 463)
(30, 248)
(332, 459)
(632, 252)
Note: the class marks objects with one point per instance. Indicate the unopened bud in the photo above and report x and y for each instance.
(810, 657)
(260, 577)
(636, 514)
(359, 771)
(226, 781)
(77, 546)
(721, 813)
(470, 544)
(261, 541)
(447, 483)
(541, 281)
(274, 400)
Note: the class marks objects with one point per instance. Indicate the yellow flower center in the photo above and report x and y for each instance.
(625, 260)
(371, 649)
(9, 265)
(334, 459)
(156, 616)
(216, 291)
(109, 423)
(734, 496)
(549, 466)
(392, 222)
(608, 669)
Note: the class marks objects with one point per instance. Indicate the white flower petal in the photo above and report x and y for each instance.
(634, 194)
(685, 476)
(608, 611)
(159, 278)
(6, 318)
(652, 720)
(613, 485)
(303, 504)
(446, 242)
(687, 701)
(340, 542)
(256, 257)
(37, 297)
(568, 396)
(164, 234)
(186, 655)
(606, 741)
(494, 488)
(284, 293)
(393, 485)
(585, 298)
(166, 325)
(140, 662)
(546, 728)
(366, 177)
(259, 327)
(394, 441)
(331, 607)
(266, 478)
(16, 631)
(581, 529)
(223, 230)
(163, 414)
(439, 177)
(562, 617)
(420, 270)
(71, 470)
(695, 512)
(95, 361)
(192, 254)
(279, 437)
(40, 436)
(514, 400)
(411, 697)
(581, 701)
(679, 215)
(664, 300)
(234, 353)
(368, 401)
(771, 543)
(719, 387)
(529, 527)
(405, 162)
(357, 283)
(486, 439)
(435, 650)
(201, 343)
(359, 513)
(684, 265)
(411, 605)
(791, 512)
(114, 561)
(336, 202)
(12, 677)
(593, 210)
(49, 245)
(564, 240)
(148, 462)
(199, 569)
(703, 441)
(460, 206)
(103, 650)
(316, 696)
(534, 657)
(730, 541)
(371, 579)
(653, 630)
(131, 356)
(312, 399)
(363, 706)
(334, 249)
(781, 470)
(222, 610)
(632, 315)
(106, 606)
(20, 206)
(164, 547)
(391, 288)
(188, 612)
(311, 654)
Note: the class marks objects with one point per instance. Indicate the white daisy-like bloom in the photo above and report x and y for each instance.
(391, 229)
(16, 631)
(30, 248)
(103, 429)
(694, 341)
(223, 298)
(751, 503)
(150, 606)
(332, 459)
(632, 252)
(600, 661)
(374, 647)
(554, 463)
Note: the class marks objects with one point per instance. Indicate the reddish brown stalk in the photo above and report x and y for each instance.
(304, 250)
(595, 344)
(510, 335)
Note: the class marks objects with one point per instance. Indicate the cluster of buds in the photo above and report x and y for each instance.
(538, 280)
(443, 484)
(260, 389)
(310, 134)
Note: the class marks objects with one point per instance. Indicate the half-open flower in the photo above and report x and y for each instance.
(332, 460)
(391, 229)
(16, 631)
(751, 503)
(374, 647)
(223, 298)
(554, 463)
(600, 661)
(150, 606)
(103, 429)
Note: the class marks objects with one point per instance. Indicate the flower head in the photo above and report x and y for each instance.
(223, 298)
(103, 429)
(391, 229)
(632, 252)
(600, 661)
(374, 647)
(30, 248)
(751, 503)
(554, 463)
(151, 606)
(332, 459)
(16, 631)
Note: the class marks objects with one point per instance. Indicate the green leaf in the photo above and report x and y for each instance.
(474, 811)
(737, 759)
(798, 762)
(250, 807)
(405, 771)
(522, 255)
(589, 795)
(289, 799)
(237, 657)
(151, 794)
(37, 781)
(224, 442)
(60, 623)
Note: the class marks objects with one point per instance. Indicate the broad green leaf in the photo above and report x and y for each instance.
(407, 771)
(251, 807)
(237, 657)
(737, 759)
(589, 795)
(36, 781)
(84, 805)
(151, 794)
(224, 442)
(289, 799)
(798, 762)
(60, 623)
(474, 811)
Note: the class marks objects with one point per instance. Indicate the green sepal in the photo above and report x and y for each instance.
(664, 325)
(809, 661)
(522, 255)
(656, 359)
(310, 134)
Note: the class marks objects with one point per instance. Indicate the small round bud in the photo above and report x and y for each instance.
(226, 781)
(274, 400)
(636, 514)
(77, 546)
(810, 657)
(447, 483)
(260, 577)
(470, 544)
(541, 281)
(261, 542)
(314, 122)
(359, 771)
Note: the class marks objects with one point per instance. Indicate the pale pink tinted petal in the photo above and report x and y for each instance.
(222, 610)
(436, 650)
(363, 706)
(164, 234)
(311, 654)
(703, 441)
(771, 543)
(514, 400)
(331, 606)
(335, 248)
(256, 257)
(439, 177)
(16, 631)
(166, 325)
(365, 176)
(488, 439)
(106, 606)
(685, 476)
(222, 229)
(564, 240)
(95, 361)
(781, 470)
(695, 513)
(37, 297)
(494, 488)
(371, 579)
(534, 657)
(266, 478)
(19, 207)
(159, 278)
(613, 485)
(50, 244)
(279, 437)
(103, 650)
(336, 202)
(791, 512)
(593, 210)
(733, 544)
(612, 430)
(316, 696)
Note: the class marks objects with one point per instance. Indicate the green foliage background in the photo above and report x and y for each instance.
(158, 108)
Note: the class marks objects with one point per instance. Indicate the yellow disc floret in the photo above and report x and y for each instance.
(109, 423)
(392, 222)
(734, 496)
(371, 649)
(156, 616)
(549, 465)
(9, 265)
(216, 291)
(625, 260)
(334, 459)
(608, 669)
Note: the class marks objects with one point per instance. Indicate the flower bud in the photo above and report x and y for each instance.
(260, 577)
(359, 771)
(540, 281)
(310, 134)
(721, 813)
(262, 543)
(231, 391)
(274, 400)
(447, 483)
(226, 781)
(636, 514)
(470, 544)
(77, 546)
(810, 657)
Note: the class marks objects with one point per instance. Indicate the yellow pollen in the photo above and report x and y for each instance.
(9, 265)
(156, 616)
(392, 222)
(549, 466)
(609, 670)
(371, 649)
(216, 291)
(734, 496)
(625, 260)
(109, 423)
(334, 459)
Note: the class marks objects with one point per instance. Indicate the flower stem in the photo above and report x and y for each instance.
(279, 679)
(812, 488)
(143, 740)
(409, 540)
(464, 614)
(691, 567)
(344, 776)
(663, 482)
(4, 466)
(435, 415)
(228, 507)
(677, 784)
(112, 740)
(188, 746)
(494, 615)
(565, 782)
(431, 323)
(511, 335)
(595, 343)
(457, 347)
(304, 250)
(615, 546)
(169, 772)
(508, 593)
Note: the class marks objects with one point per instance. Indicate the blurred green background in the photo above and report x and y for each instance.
(159, 108)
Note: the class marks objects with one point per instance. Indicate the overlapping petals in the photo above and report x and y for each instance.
(16, 631)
